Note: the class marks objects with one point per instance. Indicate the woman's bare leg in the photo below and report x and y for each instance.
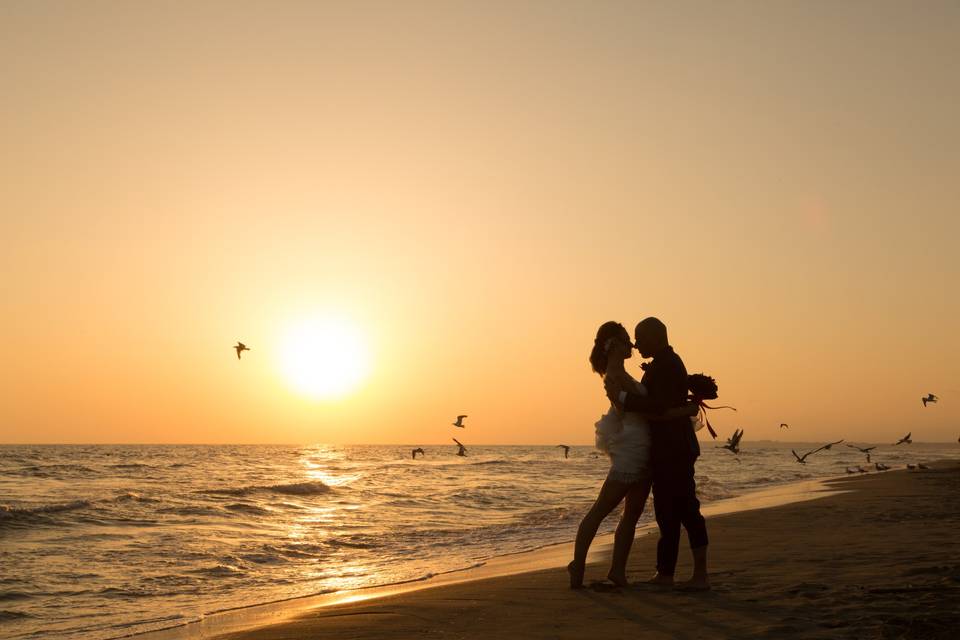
(611, 493)
(623, 538)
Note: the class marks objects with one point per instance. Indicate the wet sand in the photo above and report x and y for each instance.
(878, 558)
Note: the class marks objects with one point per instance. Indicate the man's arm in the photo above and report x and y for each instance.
(654, 402)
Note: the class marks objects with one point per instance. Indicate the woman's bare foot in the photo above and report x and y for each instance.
(619, 579)
(696, 583)
(661, 580)
(576, 575)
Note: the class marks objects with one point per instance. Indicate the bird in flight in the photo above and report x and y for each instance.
(803, 459)
(733, 442)
(416, 451)
(784, 425)
(459, 422)
(566, 450)
(930, 398)
(240, 347)
(866, 451)
(904, 440)
(462, 451)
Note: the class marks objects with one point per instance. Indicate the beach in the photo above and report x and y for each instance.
(877, 557)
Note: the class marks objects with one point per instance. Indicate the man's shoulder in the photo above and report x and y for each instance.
(671, 358)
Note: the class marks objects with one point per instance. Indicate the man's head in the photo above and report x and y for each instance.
(651, 336)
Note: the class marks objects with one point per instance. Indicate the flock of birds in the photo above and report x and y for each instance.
(732, 445)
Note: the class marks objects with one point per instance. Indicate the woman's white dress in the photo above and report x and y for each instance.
(625, 438)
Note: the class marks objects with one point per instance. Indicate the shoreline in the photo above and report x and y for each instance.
(875, 556)
(547, 557)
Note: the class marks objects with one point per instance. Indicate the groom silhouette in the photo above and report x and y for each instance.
(675, 451)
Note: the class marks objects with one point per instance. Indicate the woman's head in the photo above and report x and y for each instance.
(612, 338)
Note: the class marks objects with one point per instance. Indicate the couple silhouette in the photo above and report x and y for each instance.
(649, 436)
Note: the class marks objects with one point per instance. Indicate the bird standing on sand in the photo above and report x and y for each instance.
(784, 425)
(462, 451)
(866, 451)
(566, 450)
(240, 347)
(904, 440)
(459, 422)
(929, 399)
(733, 442)
(416, 451)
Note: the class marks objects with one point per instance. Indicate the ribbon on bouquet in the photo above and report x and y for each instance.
(702, 413)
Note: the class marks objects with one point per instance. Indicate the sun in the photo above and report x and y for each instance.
(324, 357)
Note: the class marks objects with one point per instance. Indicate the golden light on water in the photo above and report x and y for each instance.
(324, 357)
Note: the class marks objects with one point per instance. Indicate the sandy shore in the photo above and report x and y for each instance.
(879, 559)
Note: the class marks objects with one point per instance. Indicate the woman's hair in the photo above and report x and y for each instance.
(598, 355)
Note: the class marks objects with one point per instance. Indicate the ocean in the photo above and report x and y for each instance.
(105, 541)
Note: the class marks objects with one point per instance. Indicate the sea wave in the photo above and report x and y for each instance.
(13, 615)
(13, 515)
(307, 488)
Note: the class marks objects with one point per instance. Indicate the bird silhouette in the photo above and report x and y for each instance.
(459, 422)
(784, 425)
(733, 442)
(929, 399)
(904, 440)
(462, 451)
(866, 451)
(240, 347)
(566, 450)
(803, 459)
(416, 451)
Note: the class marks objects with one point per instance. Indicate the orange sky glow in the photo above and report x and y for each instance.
(474, 188)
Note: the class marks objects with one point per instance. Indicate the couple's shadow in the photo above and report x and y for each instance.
(602, 586)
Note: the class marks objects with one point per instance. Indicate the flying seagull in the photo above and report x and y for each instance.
(827, 446)
(566, 450)
(459, 422)
(905, 439)
(930, 398)
(462, 451)
(733, 442)
(784, 425)
(803, 459)
(241, 347)
(416, 451)
(866, 451)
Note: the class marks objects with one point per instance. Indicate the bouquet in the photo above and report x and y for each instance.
(703, 387)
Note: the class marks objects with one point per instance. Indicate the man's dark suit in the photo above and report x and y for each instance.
(675, 450)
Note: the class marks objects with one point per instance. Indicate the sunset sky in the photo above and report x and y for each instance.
(471, 189)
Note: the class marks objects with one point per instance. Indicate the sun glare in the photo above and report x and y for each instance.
(324, 357)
